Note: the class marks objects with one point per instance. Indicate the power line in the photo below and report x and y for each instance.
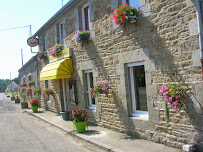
(13, 28)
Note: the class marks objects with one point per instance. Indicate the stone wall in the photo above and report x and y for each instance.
(166, 39)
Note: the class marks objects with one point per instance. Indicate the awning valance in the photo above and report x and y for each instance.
(57, 70)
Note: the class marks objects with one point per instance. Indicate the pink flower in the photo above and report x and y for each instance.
(88, 92)
(94, 94)
(177, 91)
(170, 90)
(176, 97)
(91, 89)
(175, 103)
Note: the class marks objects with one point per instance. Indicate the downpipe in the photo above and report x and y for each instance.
(200, 32)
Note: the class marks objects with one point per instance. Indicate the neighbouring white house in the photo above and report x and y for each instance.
(13, 86)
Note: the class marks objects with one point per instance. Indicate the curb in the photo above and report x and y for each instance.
(96, 143)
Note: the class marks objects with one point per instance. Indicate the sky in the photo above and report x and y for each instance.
(21, 13)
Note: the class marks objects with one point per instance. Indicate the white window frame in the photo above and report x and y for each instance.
(135, 112)
(91, 106)
(83, 16)
(64, 95)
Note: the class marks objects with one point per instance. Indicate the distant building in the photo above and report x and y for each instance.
(13, 86)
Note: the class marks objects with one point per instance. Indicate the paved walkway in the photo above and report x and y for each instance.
(104, 138)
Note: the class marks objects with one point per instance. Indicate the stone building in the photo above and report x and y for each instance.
(30, 71)
(162, 47)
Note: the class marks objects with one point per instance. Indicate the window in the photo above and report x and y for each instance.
(29, 77)
(133, 2)
(24, 79)
(89, 84)
(61, 33)
(46, 42)
(72, 91)
(46, 84)
(137, 87)
(85, 17)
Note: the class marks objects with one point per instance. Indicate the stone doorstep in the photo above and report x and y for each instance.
(73, 133)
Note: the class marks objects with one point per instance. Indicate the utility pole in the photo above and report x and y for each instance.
(62, 2)
(22, 56)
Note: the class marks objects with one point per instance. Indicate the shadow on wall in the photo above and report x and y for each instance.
(166, 45)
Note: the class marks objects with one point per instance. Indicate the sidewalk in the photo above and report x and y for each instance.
(104, 138)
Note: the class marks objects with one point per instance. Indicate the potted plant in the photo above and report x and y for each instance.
(173, 95)
(82, 36)
(56, 50)
(12, 97)
(24, 104)
(17, 99)
(80, 119)
(31, 83)
(42, 55)
(99, 88)
(34, 105)
(125, 15)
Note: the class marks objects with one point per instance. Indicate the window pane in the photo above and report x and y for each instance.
(91, 85)
(140, 88)
(134, 3)
(46, 84)
(86, 9)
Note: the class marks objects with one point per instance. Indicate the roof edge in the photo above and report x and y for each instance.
(56, 15)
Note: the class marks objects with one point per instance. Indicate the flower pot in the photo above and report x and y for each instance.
(24, 105)
(12, 98)
(65, 115)
(17, 100)
(80, 126)
(34, 109)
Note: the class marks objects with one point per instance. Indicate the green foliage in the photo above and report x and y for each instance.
(3, 84)
(23, 96)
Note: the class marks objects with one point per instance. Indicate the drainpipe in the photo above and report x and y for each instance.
(200, 31)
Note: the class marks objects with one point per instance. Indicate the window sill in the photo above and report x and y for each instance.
(141, 115)
(73, 103)
(93, 107)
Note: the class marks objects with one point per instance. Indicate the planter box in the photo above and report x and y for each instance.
(66, 115)
(17, 100)
(24, 105)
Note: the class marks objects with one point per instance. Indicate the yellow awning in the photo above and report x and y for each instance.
(57, 70)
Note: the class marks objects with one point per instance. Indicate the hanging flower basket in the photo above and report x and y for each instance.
(47, 92)
(42, 55)
(23, 85)
(99, 88)
(82, 37)
(125, 15)
(56, 50)
(174, 96)
(30, 83)
(37, 91)
(28, 91)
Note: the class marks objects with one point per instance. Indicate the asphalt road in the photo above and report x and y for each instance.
(20, 132)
